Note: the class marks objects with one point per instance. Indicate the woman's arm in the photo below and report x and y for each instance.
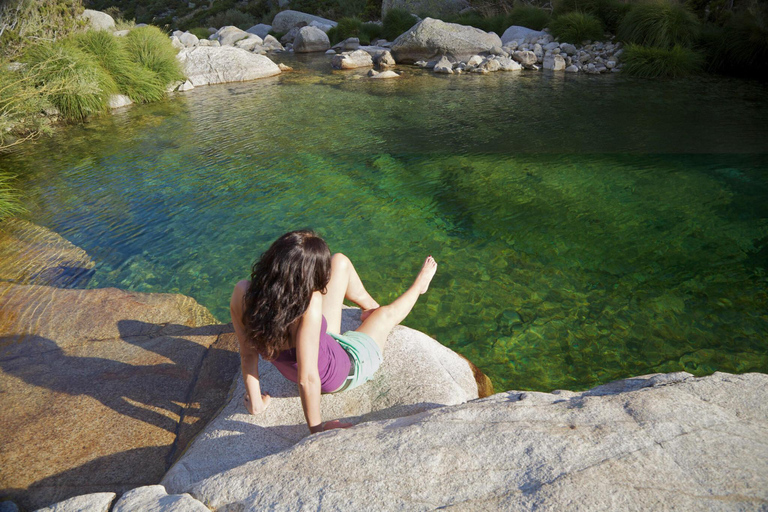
(255, 402)
(307, 349)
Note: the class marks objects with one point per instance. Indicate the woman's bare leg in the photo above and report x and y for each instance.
(344, 283)
(381, 322)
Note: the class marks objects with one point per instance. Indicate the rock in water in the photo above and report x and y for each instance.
(205, 65)
(385, 74)
(507, 64)
(443, 66)
(311, 39)
(554, 62)
(432, 38)
(663, 442)
(418, 373)
(118, 101)
(286, 20)
(526, 58)
(356, 59)
(98, 20)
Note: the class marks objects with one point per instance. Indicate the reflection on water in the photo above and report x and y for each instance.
(587, 228)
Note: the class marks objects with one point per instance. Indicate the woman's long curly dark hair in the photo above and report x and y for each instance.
(282, 282)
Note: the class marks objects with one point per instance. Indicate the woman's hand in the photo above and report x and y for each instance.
(259, 408)
(328, 425)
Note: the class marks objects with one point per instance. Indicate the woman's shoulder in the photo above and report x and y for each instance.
(241, 288)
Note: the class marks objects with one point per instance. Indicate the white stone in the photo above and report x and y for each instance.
(507, 64)
(176, 43)
(216, 65)
(554, 63)
(118, 100)
(385, 74)
(431, 38)
(538, 51)
(249, 43)
(525, 58)
(521, 35)
(153, 498)
(188, 39)
(286, 20)
(284, 67)
(443, 66)
(272, 43)
(417, 374)
(262, 30)
(610, 64)
(352, 60)
(230, 34)
(661, 442)
(96, 502)
(205, 42)
(311, 39)
(474, 61)
(572, 69)
(177, 33)
(551, 46)
(98, 20)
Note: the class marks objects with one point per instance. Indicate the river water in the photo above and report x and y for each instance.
(587, 228)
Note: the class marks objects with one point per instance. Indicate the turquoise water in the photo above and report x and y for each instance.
(587, 228)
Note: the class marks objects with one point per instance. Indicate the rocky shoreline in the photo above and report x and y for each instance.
(108, 393)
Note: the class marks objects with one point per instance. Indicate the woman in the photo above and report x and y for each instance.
(289, 313)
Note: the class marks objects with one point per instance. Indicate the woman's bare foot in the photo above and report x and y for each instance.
(426, 274)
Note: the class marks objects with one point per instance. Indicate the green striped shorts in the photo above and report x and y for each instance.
(364, 354)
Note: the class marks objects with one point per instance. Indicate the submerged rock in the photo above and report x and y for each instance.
(432, 38)
(352, 60)
(661, 442)
(418, 374)
(216, 65)
(118, 101)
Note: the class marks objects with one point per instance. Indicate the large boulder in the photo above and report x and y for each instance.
(352, 60)
(98, 20)
(521, 35)
(229, 35)
(311, 39)
(431, 38)
(31, 254)
(102, 388)
(418, 374)
(216, 65)
(286, 20)
(154, 498)
(663, 442)
(434, 7)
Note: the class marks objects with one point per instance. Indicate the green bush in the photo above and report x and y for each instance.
(396, 22)
(202, 32)
(661, 24)
(741, 46)
(575, 27)
(10, 198)
(150, 47)
(71, 79)
(140, 84)
(497, 23)
(609, 12)
(371, 32)
(655, 62)
(20, 107)
(527, 16)
(346, 27)
(26, 22)
(234, 17)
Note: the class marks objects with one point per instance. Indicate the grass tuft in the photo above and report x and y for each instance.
(662, 24)
(527, 16)
(150, 47)
(609, 12)
(10, 198)
(201, 32)
(654, 62)
(575, 27)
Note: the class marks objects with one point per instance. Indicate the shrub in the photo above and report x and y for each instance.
(234, 17)
(202, 32)
(20, 107)
(396, 22)
(609, 12)
(527, 16)
(497, 23)
(132, 78)
(71, 79)
(741, 46)
(150, 47)
(661, 24)
(346, 27)
(10, 199)
(575, 27)
(25, 22)
(371, 32)
(654, 62)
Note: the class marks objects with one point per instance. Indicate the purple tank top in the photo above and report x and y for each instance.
(332, 362)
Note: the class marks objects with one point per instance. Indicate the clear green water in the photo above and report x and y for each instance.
(587, 228)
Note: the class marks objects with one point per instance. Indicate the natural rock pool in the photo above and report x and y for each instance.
(587, 228)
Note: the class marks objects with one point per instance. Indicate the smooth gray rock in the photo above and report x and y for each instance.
(230, 34)
(572, 69)
(521, 35)
(350, 44)
(418, 374)
(154, 498)
(431, 38)
(554, 62)
(118, 101)
(526, 58)
(352, 60)
(217, 65)
(98, 20)
(251, 43)
(286, 20)
(310, 40)
(273, 44)
(443, 66)
(384, 75)
(568, 48)
(507, 64)
(188, 39)
(289, 36)
(661, 442)
(96, 502)
(262, 30)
